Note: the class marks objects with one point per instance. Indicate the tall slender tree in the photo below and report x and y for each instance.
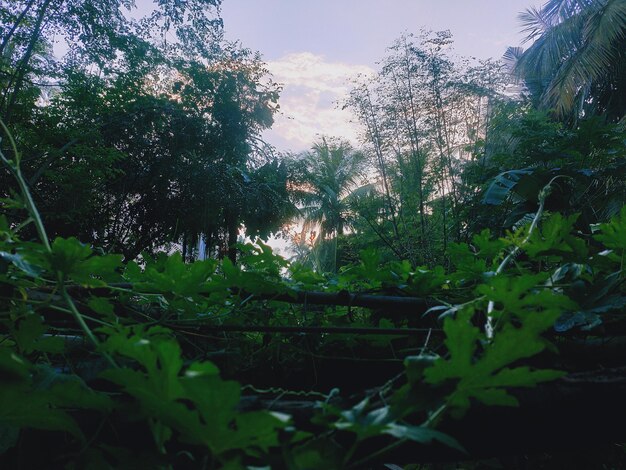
(423, 116)
(328, 178)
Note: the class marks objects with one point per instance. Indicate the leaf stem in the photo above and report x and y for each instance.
(81, 322)
(14, 167)
(434, 416)
(378, 453)
(543, 195)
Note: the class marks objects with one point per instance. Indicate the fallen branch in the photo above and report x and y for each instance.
(344, 298)
(200, 328)
(397, 303)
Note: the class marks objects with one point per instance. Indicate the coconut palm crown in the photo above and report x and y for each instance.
(329, 176)
(576, 64)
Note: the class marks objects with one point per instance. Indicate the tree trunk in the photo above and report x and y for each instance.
(18, 77)
(18, 21)
(232, 228)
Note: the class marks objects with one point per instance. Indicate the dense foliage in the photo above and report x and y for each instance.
(142, 328)
(141, 143)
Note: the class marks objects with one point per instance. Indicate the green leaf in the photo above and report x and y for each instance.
(488, 248)
(524, 377)
(50, 344)
(21, 407)
(216, 401)
(525, 295)
(98, 270)
(256, 429)
(503, 185)
(317, 454)
(4, 224)
(28, 330)
(364, 423)
(12, 366)
(156, 352)
(495, 397)
(469, 267)
(171, 276)
(19, 262)
(200, 369)
(101, 305)
(74, 260)
(554, 238)
(422, 435)
(153, 400)
(423, 282)
(416, 365)
(613, 233)
(133, 272)
(487, 378)
(569, 272)
(73, 393)
(461, 338)
(67, 253)
(583, 320)
(230, 270)
(211, 417)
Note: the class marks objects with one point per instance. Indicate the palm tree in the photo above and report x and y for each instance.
(577, 62)
(328, 180)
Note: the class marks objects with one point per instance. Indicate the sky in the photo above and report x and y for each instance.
(314, 47)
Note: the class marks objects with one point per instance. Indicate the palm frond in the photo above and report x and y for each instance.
(512, 55)
(602, 39)
(534, 23)
(604, 29)
(558, 10)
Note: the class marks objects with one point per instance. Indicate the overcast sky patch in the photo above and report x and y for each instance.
(310, 103)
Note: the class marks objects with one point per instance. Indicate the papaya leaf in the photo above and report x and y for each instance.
(321, 453)
(488, 247)
(613, 233)
(554, 238)
(101, 305)
(28, 332)
(488, 378)
(22, 407)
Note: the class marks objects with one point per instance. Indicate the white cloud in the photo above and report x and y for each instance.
(312, 87)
